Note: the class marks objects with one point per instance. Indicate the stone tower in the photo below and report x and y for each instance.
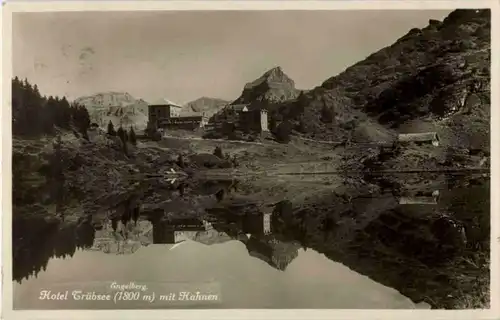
(263, 120)
(266, 221)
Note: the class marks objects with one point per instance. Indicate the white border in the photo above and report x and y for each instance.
(5, 115)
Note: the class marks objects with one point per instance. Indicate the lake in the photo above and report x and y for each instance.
(221, 244)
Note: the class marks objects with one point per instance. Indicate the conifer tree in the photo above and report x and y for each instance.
(34, 114)
(302, 99)
(49, 112)
(84, 118)
(65, 110)
(122, 134)
(180, 161)
(27, 109)
(132, 137)
(218, 152)
(111, 129)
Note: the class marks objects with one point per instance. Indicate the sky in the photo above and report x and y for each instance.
(185, 55)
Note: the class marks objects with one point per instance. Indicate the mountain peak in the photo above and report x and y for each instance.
(204, 104)
(274, 71)
(108, 98)
(273, 86)
(121, 108)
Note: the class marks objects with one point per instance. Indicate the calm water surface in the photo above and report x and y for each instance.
(239, 252)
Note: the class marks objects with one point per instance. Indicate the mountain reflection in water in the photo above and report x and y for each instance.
(211, 231)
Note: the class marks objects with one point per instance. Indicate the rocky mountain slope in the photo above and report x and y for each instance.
(206, 105)
(436, 78)
(118, 107)
(273, 86)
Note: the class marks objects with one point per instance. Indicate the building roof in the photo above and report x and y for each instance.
(164, 102)
(239, 107)
(417, 200)
(424, 136)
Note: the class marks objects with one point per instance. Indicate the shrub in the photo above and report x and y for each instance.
(156, 136)
(284, 131)
(180, 161)
(218, 152)
(151, 130)
(326, 115)
(132, 137)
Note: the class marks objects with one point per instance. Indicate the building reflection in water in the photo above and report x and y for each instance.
(123, 235)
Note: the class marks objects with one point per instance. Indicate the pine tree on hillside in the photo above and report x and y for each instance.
(132, 137)
(62, 116)
(80, 118)
(16, 105)
(111, 129)
(121, 134)
(50, 111)
(45, 120)
(18, 116)
(34, 114)
(33, 108)
(125, 135)
(180, 161)
(27, 109)
(65, 113)
(302, 99)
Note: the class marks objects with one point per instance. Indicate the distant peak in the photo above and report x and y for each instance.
(274, 71)
(275, 75)
(164, 101)
(107, 93)
(208, 98)
(113, 93)
(274, 85)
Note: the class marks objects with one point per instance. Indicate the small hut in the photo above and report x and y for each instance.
(419, 138)
(421, 198)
